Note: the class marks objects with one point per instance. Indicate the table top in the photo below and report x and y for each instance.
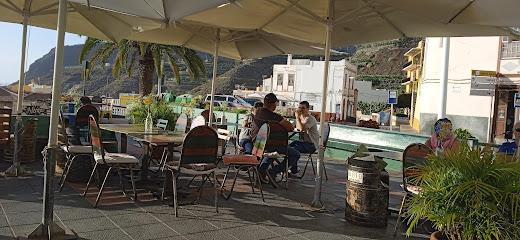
(390, 155)
(176, 138)
(128, 128)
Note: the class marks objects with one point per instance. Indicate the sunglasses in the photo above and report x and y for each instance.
(302, 108)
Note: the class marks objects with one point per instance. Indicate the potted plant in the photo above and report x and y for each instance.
(137, 112)
(469, 194)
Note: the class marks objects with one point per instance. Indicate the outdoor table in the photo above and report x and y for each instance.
(170, 141)
(125, 129)
(226, 124)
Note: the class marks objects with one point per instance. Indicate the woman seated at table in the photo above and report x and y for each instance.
(245, 139)
(443, 137)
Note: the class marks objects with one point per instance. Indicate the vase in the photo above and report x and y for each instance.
(438, 235)
(148, 123)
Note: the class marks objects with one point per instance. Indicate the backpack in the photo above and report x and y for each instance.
(508, 147)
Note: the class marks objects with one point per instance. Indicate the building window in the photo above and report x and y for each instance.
(510, 49)
(291, 80)
(279, 79)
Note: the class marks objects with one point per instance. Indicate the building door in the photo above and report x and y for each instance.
(505, 118)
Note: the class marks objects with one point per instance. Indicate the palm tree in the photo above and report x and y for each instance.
(149, 56)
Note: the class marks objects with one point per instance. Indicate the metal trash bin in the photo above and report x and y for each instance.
(367, 196)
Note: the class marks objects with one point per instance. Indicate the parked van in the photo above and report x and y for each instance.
(239, 102)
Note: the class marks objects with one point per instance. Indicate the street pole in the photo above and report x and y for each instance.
(391, 116)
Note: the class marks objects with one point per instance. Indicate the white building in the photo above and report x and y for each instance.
(367, 94)
(485, 111)
(301, 79)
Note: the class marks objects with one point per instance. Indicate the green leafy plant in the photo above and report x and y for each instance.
(223, 108)
(462, 133)
(196, 102)
(469, 194)
(159, 109)
(240, 110)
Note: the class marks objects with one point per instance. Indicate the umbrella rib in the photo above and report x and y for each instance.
(387, 20)
(462, 10)
(338, 20)
(194, 32)
(98, 27)
(155, 10)
(315, 16)
(235, 38)
(285, 8)
(13, 7)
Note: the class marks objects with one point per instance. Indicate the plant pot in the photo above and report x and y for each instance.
(438, 235)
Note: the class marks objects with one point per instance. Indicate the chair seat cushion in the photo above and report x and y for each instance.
(116, 158)
(77, 149)
(240, 159)
(194, 166)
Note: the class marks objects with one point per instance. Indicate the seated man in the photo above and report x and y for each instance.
(443, 138)
(308, 126)
(245, 139)
(267, 115)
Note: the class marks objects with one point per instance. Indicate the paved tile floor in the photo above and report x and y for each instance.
(284, 215)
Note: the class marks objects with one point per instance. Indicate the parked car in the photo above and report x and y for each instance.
(230, 105)
(239, 102)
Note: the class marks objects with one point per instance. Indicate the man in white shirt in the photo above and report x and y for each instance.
(308, 126)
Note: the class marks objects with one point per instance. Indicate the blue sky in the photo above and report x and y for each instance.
(40, 42)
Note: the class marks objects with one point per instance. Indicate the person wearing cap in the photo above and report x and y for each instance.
(245, 139)
(267, 115)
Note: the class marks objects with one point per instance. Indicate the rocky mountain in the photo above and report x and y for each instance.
(376, 61)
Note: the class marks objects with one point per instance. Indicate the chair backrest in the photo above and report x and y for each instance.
(260, 140)
(200, 146)
(95, 138)
(182, 123)
(326, 133)
(277, 140)
(82, 116)
(413, 155)
(97, 100)
(85, 100)
(162, 124)
(63, 139)
(198, 121)
(5, 126)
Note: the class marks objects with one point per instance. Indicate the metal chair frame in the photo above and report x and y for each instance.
(179, 169)
(97, 146)
(309, 157)
(257, 153)
(70, 155)
(405, 179)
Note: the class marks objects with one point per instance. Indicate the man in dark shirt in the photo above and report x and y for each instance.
(267, 115)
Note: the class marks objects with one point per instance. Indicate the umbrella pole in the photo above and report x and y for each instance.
(316, 202)
(443, 84)
(47, 228)
(215, 61)
(16, 170)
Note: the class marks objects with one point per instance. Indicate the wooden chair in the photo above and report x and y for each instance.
(5, 127)
(198, 121)
(109, 112)
(413, 155)
(326, 133)
(162, 124)
(247, 162)
(112, 160)
(71, 151)
(198, 158)
(182, 123)
(277, 147)
(82, 120)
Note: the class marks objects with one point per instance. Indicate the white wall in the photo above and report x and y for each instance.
(466, 54)
(367, 94)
